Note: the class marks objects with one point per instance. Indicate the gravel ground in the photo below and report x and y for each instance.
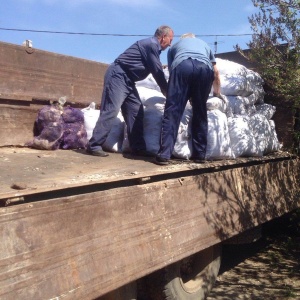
(266, 270)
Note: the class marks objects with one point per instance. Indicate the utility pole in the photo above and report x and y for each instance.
(216, 44)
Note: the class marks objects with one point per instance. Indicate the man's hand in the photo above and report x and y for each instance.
(218, 95)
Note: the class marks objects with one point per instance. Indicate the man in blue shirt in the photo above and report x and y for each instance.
(193, 72)
(120, 93)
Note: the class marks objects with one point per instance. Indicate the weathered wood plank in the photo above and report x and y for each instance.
(87, 244)
(43, 171)
(49, 75)
(16, 124)
(41, 75)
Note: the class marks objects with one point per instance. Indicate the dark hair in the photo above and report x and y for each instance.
(163, 30)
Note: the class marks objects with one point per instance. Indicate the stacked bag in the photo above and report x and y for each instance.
(251, 130)
(241, 125)
(59, 127)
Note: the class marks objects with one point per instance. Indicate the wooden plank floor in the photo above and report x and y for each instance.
(25, 171)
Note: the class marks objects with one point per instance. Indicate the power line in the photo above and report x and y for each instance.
(109, 34)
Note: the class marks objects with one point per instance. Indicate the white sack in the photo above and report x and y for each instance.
(254, 78)
(230, 68)
(149, 82)
(218, 139)
(150, 97)
(266, 110)
(235, 85)
(114, 140)
(91, 115)
(243, 142)
(237, 80)
(237, 105)
(265, 134)
(217, 103)
(273, 144)
(183, 144)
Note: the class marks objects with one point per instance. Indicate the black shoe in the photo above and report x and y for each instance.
(199, 161)
(161, 161)
(98, 152)
(142, 153)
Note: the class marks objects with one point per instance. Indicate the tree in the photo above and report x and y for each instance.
(275, 49)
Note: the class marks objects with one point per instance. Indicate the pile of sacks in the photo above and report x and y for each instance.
(241, 125)
(59, 127)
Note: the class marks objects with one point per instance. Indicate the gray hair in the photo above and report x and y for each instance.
(188, 35)
(163, 30)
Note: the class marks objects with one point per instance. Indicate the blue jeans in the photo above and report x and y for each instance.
(119, 93)
(192, 80)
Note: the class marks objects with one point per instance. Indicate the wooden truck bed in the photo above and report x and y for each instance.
(25, 172)
(74, 226)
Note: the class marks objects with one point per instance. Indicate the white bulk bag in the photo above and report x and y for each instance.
(218, 139)
(266, 110)
(183, 145)
(273, 144)
(243, 142)
(114, 140)
(91, 115)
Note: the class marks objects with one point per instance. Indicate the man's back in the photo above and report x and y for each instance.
(190, 48)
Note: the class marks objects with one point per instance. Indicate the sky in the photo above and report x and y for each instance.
(103, 29)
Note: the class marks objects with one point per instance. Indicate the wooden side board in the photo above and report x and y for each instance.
(31, 79)
(46, 75)
(83, 246)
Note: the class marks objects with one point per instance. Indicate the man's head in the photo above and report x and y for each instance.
(165, 35)
(188, 35)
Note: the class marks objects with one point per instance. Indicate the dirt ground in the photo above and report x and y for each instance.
(266, 270)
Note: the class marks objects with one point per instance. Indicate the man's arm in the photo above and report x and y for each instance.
(216, 82)
(156, 69)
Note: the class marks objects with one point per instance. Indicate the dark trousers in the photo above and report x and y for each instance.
(119, 93)
(192, 80)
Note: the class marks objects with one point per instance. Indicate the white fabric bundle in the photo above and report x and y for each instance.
(218, 139)
(114, 140)
(217, 103)
(236, 85)
(237, 80)
(239, 125)
(237, 105)
(149, 83)
(261, 130)
(264, 133)
(91, 115)
(267, 110)
(273, 144)
(230, 68)
(243, 142)
(150, 97)
(183, 144)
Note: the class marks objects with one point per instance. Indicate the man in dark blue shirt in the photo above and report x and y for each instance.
(120, 93)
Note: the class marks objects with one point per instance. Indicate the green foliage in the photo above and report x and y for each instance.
(275, 51)
(275, 47)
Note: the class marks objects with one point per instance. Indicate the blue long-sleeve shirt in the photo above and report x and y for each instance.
(141, 59)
